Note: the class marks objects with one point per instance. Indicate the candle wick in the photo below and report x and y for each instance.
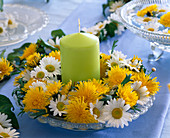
(79, 24)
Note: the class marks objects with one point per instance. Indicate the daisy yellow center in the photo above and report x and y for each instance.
(147, 19)
(9, 22)
(114, 64)
(40, 75)
(90, 32)
(162, 10)
(96, 112)
(117, 113)
(138, 94)
(4, 135)
(150, 29)
(120, 59)
(60, 106)
(1, 30)
(168, 31)
(101, 26)
(50, 68)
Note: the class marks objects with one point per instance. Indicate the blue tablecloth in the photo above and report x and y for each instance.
(148, 125)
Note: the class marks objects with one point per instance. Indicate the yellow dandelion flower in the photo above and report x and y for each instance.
(77, 112)
(165, 20)
(35, 99)
(105, 57)
(151, 84)
(29, 51)
(53, 88)
(101, 88)
(5, 68)
(126, 92)
(148, 9)
(103, 68)
(66, 88)
(19, 77)
(33, 59)
(116, 75)
(136, 57)
(55, 54)
(88, 91)
(29, 83)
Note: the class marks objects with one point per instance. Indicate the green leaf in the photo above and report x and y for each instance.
(39, 113)
(110, 28)
(5, 107)
(113, 46)
(58, 33)
(104, 6)
(14, 56)
(1, 5)
(2, 53)
(106, 98)
(127, 79)
(42, 45)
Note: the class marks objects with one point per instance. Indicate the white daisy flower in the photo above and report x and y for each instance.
(116, 5)
(152, 27)
(163, 9)
(117, 58)
(2, 30)
(99, 26)
(11, 22)
(146, 20)
(115, 113)
(142, 92)
(120, 27)
(58, 105)
(52, 65)
(26, 75)
(134, 65)
(96, 110)
(55, 43)
(91, 30)
(39, 73)
(38, 84)
(8, 133)
(4, 122)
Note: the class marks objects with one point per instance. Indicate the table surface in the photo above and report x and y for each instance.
(60, 15)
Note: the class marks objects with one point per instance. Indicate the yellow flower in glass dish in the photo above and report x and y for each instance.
(126, 93)
(55, 54)
(33, 59)
(77, 112)
(5, 68)
(29, 51)
(148, 10)
(90, 91)
(65, 90)
(151, 84)
(116, 75)
(35, 99)
(53, 88)
(165, 20)
(103, 68)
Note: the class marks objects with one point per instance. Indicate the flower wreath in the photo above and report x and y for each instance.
(124, 85)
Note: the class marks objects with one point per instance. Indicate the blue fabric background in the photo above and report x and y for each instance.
(148, 125)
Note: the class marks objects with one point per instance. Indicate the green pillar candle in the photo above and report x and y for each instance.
(80, 58)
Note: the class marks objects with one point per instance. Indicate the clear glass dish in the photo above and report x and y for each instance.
(29, 19)
(159, 42)
(60, 122)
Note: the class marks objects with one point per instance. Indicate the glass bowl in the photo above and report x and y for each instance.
(159, 42)
(61, 123)
(29, 19)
